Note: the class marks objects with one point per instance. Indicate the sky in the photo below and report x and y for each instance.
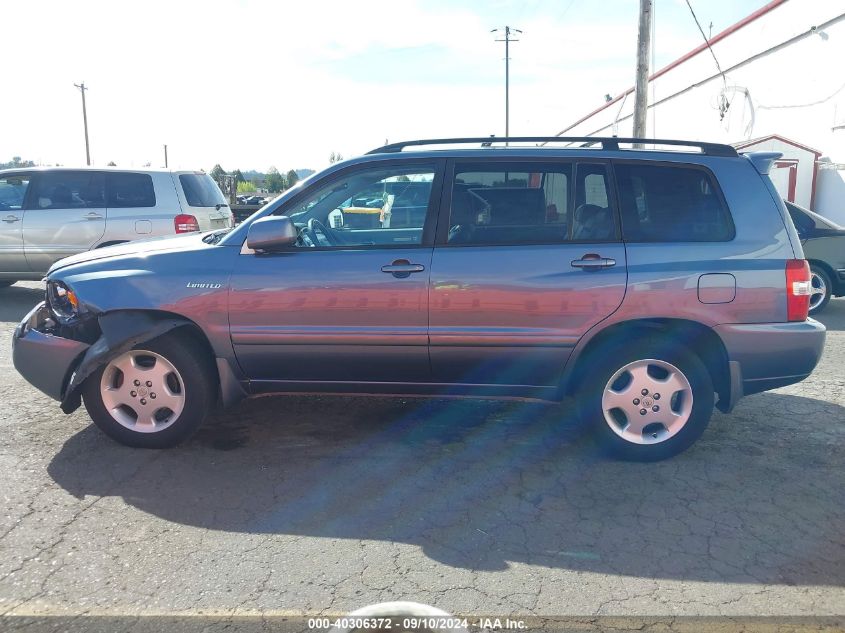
(251, 84)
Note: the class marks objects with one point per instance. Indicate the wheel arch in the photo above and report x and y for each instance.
(121, 330)
(699, 338)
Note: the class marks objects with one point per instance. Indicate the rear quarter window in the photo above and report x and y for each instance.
(130, 191)
(671, 203)
(201, 190)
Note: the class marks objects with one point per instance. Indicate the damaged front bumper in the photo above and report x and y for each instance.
(58, 366)
(44, 359)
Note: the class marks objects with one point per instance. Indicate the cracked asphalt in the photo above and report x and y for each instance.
(317, 505)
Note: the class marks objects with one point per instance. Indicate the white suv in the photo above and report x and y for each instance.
(50, 213)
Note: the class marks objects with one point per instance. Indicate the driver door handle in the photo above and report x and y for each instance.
(591, 261)
(11, 218)
(402, 268)
(92, 216)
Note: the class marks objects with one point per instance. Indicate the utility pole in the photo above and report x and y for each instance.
(165, 156)
(82, 89)
(641, 90)
(507, 40)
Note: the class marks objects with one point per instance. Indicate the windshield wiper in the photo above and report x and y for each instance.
(216, 236)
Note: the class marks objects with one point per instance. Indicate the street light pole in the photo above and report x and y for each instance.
(507, 40)
(82, 89)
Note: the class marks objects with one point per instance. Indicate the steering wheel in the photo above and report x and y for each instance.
(316, 228)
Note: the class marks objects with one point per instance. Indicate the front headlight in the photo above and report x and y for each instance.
(62, 301)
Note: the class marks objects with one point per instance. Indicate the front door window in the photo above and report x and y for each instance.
(382, 206)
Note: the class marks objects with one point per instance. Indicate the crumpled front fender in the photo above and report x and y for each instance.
(120, 332)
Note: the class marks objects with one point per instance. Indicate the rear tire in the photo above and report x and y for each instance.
(649, 402)
(822, 288)
(155, 396)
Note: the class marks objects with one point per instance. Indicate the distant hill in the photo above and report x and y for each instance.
(303, 173)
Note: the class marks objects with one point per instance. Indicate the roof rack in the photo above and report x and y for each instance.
(606, 142)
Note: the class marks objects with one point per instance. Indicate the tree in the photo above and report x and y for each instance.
(274, 182)
(217, 172)
(239, 177)
(111, 163)
(17, 163)
(292, 178)
(335, 157)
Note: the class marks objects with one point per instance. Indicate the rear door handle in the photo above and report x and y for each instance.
(402, 268)
(93, 216)
(593, 262)
(11, 218)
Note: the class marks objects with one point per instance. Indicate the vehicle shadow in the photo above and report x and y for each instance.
(17, 300)
(833, 316)
(480, 484)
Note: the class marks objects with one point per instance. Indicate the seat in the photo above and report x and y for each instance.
(592, 223)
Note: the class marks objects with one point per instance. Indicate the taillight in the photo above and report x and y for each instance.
(798, 289)
(184, 223)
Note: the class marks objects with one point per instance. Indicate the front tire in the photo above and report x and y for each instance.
(821, 288)
(650, 402)
(154, 396)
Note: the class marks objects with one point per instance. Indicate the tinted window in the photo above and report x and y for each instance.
(201, 190)
(13, 191)
(385, 206)
(663, 203)
(130, 190)
(534, 203)
(69, 190)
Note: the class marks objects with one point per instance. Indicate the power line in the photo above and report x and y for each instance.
(803, 105)
(706, 41)
(724, 104)
(748, 60)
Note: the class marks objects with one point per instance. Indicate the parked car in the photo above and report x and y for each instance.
(645, 284)
(50, 213)
(824, 247)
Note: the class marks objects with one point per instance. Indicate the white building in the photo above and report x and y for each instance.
(782, 89)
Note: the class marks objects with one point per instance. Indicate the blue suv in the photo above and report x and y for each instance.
(648, 284)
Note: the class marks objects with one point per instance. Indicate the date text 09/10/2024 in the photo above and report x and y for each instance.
(415, 623)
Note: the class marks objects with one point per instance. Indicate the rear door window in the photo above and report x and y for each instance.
(69, 190)
(530, 203)
(671, 203)
(130, 190)
(201, 190)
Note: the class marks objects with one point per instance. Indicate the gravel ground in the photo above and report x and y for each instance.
(312, 505)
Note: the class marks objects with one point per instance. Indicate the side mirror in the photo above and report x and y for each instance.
(271, 233)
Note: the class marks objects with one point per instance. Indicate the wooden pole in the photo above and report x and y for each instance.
(641, 90)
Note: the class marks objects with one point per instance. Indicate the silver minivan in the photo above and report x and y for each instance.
(50, 213)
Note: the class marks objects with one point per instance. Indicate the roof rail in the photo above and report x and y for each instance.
(606, 142)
